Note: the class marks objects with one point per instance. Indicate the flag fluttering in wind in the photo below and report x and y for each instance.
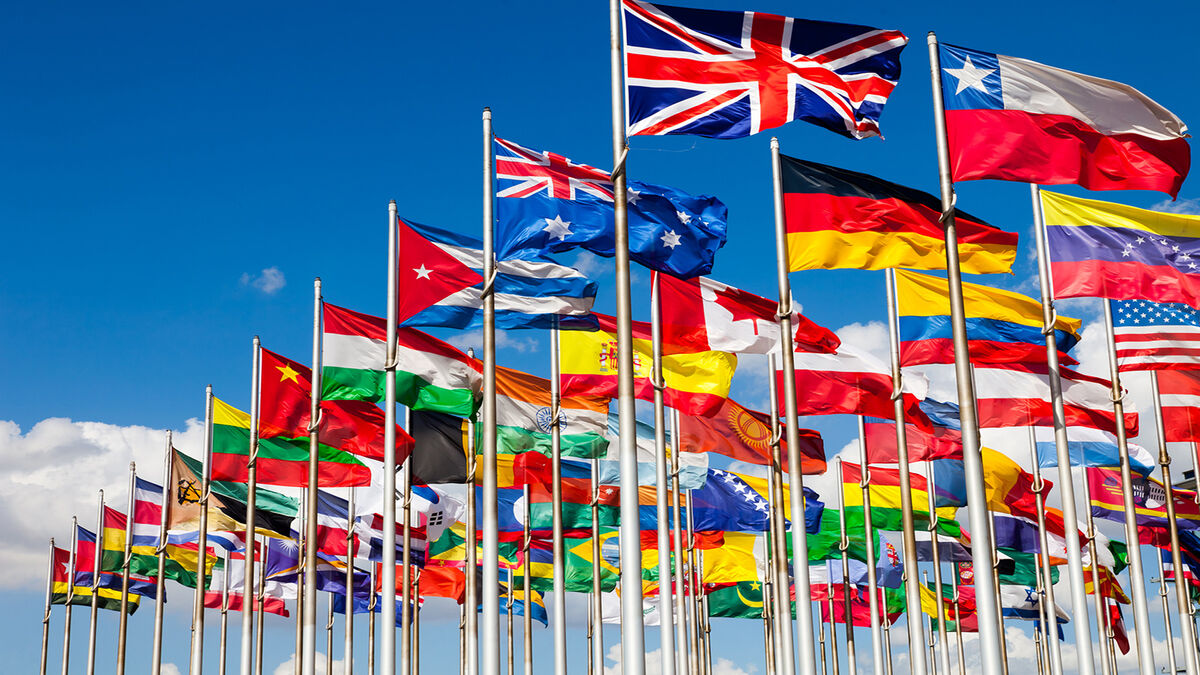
(851, 383)
(1180, 392)
(1150, 504)
(64, 588)
(745, 435)
(1156, 335)
(1015, 119)
(524, 419)
(844, 219)
(725, 74)
(1093, 447)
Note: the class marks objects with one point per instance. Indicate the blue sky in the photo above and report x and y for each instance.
(175, 177)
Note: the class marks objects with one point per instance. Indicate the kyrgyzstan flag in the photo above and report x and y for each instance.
(745, 435)
(702, 314)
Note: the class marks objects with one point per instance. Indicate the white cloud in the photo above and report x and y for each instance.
(269, 281)
(289, 666)
(54, 470)
(870, 337)
(721, 666)
(1189, 207)
(504, 340)
(170, 669)
(593, 266)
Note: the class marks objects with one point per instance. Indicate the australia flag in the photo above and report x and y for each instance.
(549, 204)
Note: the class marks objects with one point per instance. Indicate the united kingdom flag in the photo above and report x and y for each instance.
(727, 74)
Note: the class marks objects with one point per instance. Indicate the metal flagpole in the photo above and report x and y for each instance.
(471, 586)
(1190, 655)
(869, 531)
(633, 630)
(91, 656)
(1066, 484)
(490, 659)
(987, 610)
(416, 638)
(666, 624)
(932, 642)
(1039, 491)
(1039, 650)
(1042, 645)
(527, 617)
(1137, 577)
(329, 627)
(844, 547)
(887, 645)
(770, 585)
(160, 596)
(371, 605)
(936, 554)
(785, 653)
(560, 584)
(694, 576)
(1162, 593)
(768, 627)
(912, 585)
(821, 651)
(995, 576)
(681, 623)
(406, 565)
(708, 667)
(962, 661)
(597, 610)
(348, 647)
(46, 615)
(807, 659)
(591, 600)
(66, 658)
(302, 569)
(224, 633)
(509, 612)
(246, 653)
(308, 656)
(126, 561)
(387, 647)
(1102, 627)
(833, 650)
(261, 599)
(462, 639)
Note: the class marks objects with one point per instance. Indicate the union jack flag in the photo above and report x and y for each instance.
(727, 74)
(534, 172)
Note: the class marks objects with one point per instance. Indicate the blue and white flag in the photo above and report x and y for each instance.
(529, 293)
(549, 204)
(1091, 447)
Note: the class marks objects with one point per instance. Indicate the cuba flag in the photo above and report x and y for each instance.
(1015, 119)
(549, 204)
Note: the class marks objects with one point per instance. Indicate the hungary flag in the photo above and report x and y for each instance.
(281, 460)
(430, 374)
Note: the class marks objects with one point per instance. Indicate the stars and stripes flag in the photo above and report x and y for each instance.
(725, 74)
(1155, 335)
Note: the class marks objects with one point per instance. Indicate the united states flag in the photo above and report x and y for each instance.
(1155, 335)
(727, 74)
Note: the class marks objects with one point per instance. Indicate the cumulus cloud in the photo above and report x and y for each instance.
(170, 669)
(289, 666)
(721, 666)
(504, 340)
(268, 282)
(54, 470)
(871, 337)
(1189, 207)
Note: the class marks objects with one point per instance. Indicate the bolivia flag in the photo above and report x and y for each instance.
(1013, 119)
(281, 461)
(430, 375)
(696, 384)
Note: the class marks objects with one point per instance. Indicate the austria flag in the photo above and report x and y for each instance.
(1012, 119)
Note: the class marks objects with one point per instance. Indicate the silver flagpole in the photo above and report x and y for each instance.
(1039, 649)
(387, 646)
(160, 596)
(416, 667)
(224, 634)
(1066, 483)
(406, 565)
(260, 601)
(786, 650)
(66, 659)
(509, 615)
(127, 560)
(887, 645)
(1039, 491)
(1190, 655)
(560, 584)
(869, 531)
(666, 624)
(873, 585)
(462, 639)
(987, 610)
(246, 653)
(371, 605)
(1137, 577)
(302, 568)
(490, 659)
(844, 547)
(807, 660)
(197, 655)
(91, 656)
(1172, 667)
(596, 608)
(348, 647)
(590, 613)
(930, 644)
(962, 661)
(329, 633)
(835, 659)
(1102, 627)
(821, 642)
(681, 625)
(936, 554)
(471, 590)
(46, 615)
(527, 617)
(308, 657)
(912, 585)
(768, 628)
(695, 574)
(633, 629)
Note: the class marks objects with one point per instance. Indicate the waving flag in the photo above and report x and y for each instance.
(745, 435)
(702, 314)
(851, 383)
(727, 74)
(1094, 447)
(67, 590)
(549, 204)
(1155, 335)
(922, 444)
(1002, 326)
(1149, 499)
(845, 219)
(1105, 250)
(1014, 119)
(1180, 392)
(523, 417)
(441, 284)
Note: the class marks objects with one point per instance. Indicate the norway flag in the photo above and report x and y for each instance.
(1013, 119)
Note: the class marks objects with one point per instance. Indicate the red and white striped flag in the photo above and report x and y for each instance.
(1155, 335)
(1179, 391)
